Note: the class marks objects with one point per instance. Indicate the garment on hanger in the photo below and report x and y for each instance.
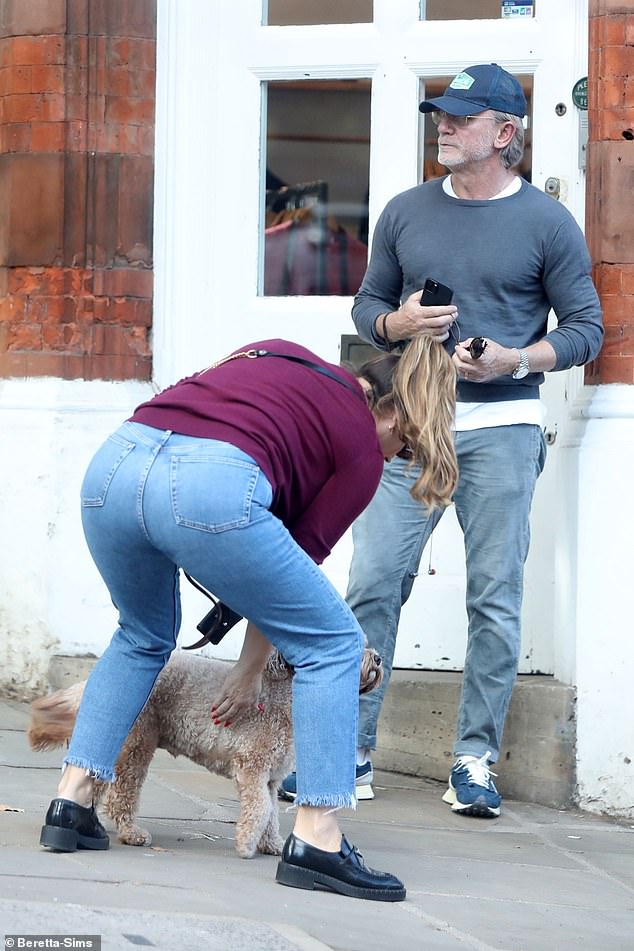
(306, 252)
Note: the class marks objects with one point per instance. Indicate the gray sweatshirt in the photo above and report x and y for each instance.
(509, 261)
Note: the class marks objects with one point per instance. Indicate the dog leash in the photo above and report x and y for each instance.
(216, 623)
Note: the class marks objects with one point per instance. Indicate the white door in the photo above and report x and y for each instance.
(250, 96)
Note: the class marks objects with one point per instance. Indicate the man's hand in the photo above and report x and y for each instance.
(411, 319)
(495, 361)
(501, 361)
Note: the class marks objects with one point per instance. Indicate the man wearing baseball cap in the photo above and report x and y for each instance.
(511, 254)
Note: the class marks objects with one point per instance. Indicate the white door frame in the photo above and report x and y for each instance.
(211, 62)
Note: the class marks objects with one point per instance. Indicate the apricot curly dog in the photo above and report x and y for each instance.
(256, 751)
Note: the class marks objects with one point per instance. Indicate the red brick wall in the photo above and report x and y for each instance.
(610, 183)
(77, 81)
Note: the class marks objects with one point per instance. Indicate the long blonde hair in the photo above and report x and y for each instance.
(420, 384)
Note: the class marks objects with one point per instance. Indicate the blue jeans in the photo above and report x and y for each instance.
(153, 500)
(498, 469)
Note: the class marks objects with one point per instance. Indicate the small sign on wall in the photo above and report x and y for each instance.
(511, 8)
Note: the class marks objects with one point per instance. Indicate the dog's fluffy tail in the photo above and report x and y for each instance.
(53, 718)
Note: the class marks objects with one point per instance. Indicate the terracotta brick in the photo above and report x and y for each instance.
(619, 341)
(617, 310)
(617, 369)
(18, 137)
(142, 83)
(36, 281)
(47, 79)
(118, 81)
(23, 108)
(25, 337)
(608, 279)
(128, 110)
(144, 313)
(47, 310)
(37, 50)
(627, 278)
(618, 61)
(54, 106)
(117, 367)
(11, 309)
(19, 80)
(613, 30)
(611, 93)
(123, 282)
(47, 137)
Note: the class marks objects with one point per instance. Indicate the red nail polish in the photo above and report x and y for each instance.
(213, 709)
(227, 722)
(217, 722)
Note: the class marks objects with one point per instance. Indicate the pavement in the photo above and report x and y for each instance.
(535, 879)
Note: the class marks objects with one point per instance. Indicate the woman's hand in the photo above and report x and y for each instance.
(243, 684)
(239, 694)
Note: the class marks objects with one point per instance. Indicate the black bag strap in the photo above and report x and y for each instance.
(254, 354)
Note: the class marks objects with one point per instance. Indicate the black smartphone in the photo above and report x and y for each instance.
(435, 294)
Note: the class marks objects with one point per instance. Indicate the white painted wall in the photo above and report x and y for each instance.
(51, 597)
(603, 585)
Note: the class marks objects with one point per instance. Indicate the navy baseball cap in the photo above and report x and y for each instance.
(478, 88)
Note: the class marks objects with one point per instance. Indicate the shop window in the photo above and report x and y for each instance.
(315, 198)
(428, 134)
(476, 9)
(299, 12)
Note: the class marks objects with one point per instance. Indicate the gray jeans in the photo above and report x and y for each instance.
(499, 467)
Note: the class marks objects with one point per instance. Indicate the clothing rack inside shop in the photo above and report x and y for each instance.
(293, 202)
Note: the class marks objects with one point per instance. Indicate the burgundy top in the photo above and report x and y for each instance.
(314, 439)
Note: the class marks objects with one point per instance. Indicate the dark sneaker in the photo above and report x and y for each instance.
(471, 790)
(365, 775)
(345, 872)
(69, 827)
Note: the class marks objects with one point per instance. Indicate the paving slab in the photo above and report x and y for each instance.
(536, 879)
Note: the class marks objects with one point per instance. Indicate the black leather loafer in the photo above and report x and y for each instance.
(69, 827)
(304, 866)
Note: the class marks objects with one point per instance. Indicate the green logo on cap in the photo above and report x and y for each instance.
(462, 81)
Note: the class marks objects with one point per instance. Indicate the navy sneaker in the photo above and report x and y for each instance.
(471, 790)
(365, 775)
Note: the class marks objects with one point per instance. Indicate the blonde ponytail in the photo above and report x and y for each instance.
(424, 391)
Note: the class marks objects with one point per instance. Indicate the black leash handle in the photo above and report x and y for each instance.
(216, 623)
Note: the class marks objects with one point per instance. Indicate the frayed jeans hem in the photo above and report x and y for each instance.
(328, 802)
(95, 772)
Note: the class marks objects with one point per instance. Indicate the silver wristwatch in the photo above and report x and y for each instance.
(522, 369)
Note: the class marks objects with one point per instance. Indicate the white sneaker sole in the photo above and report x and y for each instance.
(478, 809)
(364, 792)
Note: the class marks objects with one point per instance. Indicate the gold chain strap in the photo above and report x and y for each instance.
(249, 354)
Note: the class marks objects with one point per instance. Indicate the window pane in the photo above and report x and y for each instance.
(428, 134)
(317, 173)
(475, 9)
(301, 12)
